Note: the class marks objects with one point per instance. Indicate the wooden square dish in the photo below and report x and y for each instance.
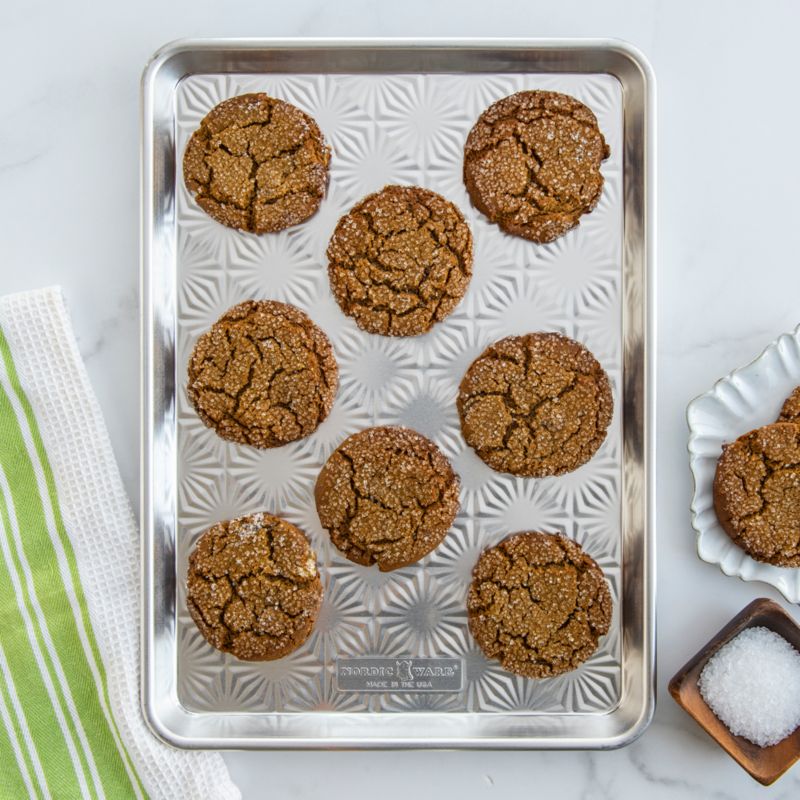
(765, 764)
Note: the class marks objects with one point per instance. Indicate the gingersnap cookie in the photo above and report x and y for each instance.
(757, 493)
(538, 604)
(253, 587)
(790, 412)
(535, 405)
(400, 260)
(387, 496)
(257, 164)
(532, 164)
(264, 374)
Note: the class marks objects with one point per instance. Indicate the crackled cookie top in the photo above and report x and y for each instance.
(253, 587)
(791, 408)
(757, 493)
(387, 496)
(257, 163)
(532, 163)
(535, 405)
(538, 604)
(400, 260)
(264, 374)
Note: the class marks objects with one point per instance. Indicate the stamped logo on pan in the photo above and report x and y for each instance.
(399, 674)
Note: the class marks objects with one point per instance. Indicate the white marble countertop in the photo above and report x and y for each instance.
(728, 283)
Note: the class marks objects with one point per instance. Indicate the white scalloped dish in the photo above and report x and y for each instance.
(748, 398)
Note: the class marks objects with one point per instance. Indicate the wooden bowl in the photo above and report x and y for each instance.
(765, 764)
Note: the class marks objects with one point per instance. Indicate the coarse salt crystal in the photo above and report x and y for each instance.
(752, 684)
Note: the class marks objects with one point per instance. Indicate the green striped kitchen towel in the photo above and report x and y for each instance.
(72, 725)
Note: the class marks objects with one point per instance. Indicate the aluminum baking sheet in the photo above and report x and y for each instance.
(391, 662)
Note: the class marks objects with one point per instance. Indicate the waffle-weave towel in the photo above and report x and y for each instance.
(71, 724)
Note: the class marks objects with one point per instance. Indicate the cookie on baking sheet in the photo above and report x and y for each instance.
(532, 164)
(535, 405)
(757, 493)
(264, 374)
(253, 587)
(257, 164)
(538, 604)
(790, 412)
(400, 260)
(387, 496)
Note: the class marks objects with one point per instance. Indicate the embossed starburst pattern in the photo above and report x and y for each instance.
(406, 129)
